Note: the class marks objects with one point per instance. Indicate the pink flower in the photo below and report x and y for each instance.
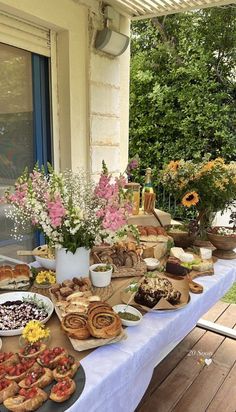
(56, 211)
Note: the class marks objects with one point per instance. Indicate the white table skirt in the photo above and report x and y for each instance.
(118, 375)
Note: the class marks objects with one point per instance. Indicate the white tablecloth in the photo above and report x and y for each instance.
(117, 375)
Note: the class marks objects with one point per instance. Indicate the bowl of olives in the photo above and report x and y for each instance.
(100, 274)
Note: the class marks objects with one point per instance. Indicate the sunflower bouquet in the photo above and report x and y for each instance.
(208, 186)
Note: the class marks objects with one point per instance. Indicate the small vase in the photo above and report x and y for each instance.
(24, 342)
(70, 264)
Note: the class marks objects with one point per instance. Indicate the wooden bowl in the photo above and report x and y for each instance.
(224, 245)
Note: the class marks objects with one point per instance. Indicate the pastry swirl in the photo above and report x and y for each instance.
(75, 325)
(103, 322)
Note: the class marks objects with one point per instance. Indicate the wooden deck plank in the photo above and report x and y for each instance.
(170, 362)
(199, 395)
(174, 379)
(216, 311)
(225, 399)
(165, 397)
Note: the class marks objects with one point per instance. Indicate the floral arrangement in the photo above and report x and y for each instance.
(208, 186)
(35, 331)
(68, 208)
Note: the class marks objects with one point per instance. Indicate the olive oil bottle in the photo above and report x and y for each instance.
(148, 195)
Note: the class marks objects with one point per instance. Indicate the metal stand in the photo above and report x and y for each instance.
(215, 327)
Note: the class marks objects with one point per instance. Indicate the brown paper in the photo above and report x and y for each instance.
(179, 284)
(90, 343)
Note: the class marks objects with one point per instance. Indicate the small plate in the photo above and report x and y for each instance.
(12, 296)
(130, 309)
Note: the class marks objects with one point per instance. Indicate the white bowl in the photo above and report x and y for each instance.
(100, 279)
(130, 309)
(49, 264)
(152, 263)
(12, 296)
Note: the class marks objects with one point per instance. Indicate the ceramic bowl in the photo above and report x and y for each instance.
(130, 309)
(49, 264)
(152, 263)
(100, 279)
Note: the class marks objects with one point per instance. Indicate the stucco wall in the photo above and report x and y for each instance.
(90, 90)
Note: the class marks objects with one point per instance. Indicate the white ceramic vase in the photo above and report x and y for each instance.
(70, 264)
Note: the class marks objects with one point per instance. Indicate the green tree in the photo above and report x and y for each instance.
(183, 87)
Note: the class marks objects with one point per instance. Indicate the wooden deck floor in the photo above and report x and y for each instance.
(183, 382)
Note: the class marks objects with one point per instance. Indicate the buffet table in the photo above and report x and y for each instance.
(117, 375)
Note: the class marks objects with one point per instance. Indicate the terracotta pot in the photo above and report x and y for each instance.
(224, 245)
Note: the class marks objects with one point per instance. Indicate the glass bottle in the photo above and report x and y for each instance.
(134, 190)
(148, 196)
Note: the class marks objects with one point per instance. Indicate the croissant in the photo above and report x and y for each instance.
(103, 322)
(27, 400)
(7, 389)
(75, 325)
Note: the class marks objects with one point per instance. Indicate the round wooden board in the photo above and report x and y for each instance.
(103, 293)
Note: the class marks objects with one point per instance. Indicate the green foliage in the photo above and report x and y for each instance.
(183, 88)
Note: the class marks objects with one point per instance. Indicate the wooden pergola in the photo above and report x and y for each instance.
(143, 9)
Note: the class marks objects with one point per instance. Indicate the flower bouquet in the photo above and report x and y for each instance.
(208, 186)
(71, 211)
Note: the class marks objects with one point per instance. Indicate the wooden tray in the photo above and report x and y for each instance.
(90, 343)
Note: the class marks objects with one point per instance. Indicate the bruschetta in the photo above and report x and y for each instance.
(66, 368)
(49, 358)
(32, 350)
(7, 389)
(26, 400)
(8, 358)
(62, 390)
(38, 376)
(18, 372)
(2, 371)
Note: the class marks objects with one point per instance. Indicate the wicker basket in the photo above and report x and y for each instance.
(120, 271)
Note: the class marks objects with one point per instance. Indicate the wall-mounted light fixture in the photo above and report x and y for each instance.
(111, 42)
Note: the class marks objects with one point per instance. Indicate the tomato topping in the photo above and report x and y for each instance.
(61, 387)
(16, 370)
(5, 356)
(28, 393)
(4, 383)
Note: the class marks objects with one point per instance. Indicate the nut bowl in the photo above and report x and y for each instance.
(131, 310)
(224, 240)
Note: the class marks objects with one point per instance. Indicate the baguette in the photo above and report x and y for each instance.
(7, 359)
(62, 390)
(7, 389)
(39, 377)
(18, 372)
(27, 400)
(66, 368)
(49, 358)
(32, 351)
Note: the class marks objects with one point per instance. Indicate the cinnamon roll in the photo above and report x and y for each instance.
(103, 322)
(75, 325)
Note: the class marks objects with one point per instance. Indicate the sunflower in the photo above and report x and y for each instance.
(190, 199)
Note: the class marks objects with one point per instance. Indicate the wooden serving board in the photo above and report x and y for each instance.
(90, 343)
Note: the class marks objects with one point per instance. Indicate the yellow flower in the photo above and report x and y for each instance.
(208, 166)
(173, 165)
(190, 199)
(46, 276)
(35, 331)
